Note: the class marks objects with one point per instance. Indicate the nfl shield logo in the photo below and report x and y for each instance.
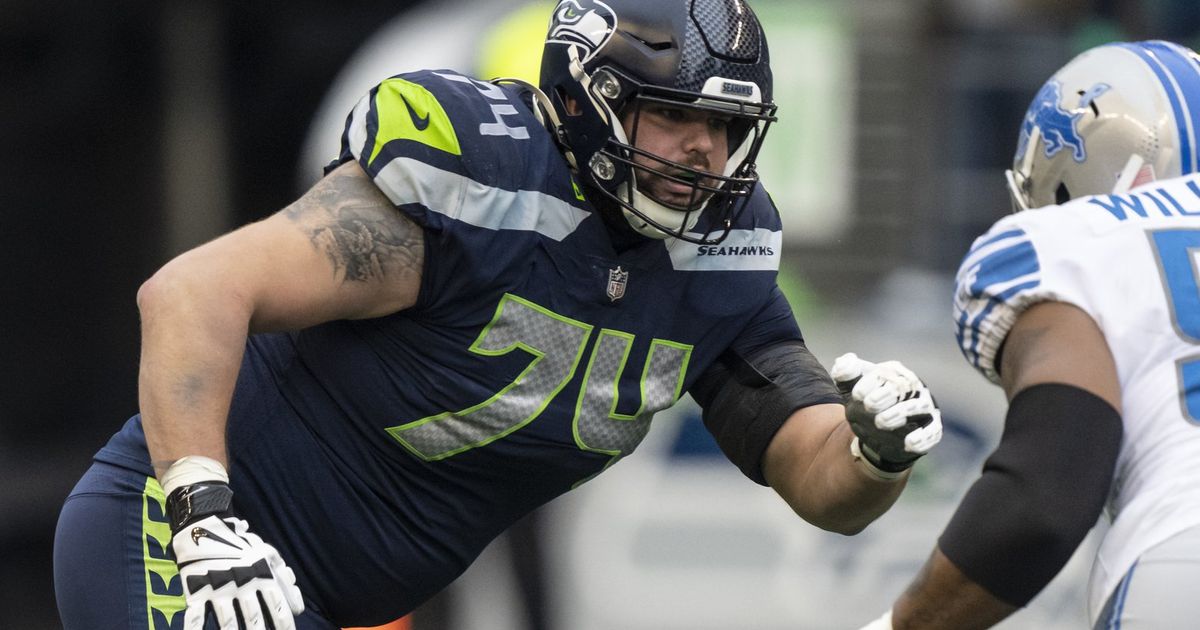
(616, 284)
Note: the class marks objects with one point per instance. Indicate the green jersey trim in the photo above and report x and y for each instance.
(160, 568)
(407, 111)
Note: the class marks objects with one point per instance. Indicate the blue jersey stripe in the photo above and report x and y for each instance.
(1122, 593)
(1179, 78)
(1187, 76)
(995, 239)
(1004, 266)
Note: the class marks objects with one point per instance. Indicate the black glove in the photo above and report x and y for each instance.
(894, 417)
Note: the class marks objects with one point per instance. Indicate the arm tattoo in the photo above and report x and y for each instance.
(363, 235)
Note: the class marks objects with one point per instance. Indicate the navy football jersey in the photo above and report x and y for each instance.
(380, 456)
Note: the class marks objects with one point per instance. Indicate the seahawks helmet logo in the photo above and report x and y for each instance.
(588, 24)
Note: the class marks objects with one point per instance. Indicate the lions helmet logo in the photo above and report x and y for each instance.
(1056, 125)
(588, 24)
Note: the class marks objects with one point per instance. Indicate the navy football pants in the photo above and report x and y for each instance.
(113, 564)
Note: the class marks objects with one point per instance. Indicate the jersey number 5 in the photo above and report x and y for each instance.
(1178, 254)
(557, 344)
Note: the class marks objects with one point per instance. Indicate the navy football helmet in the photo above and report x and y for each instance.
(604, 61)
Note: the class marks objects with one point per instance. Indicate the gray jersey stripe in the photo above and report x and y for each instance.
(405, 180)
(742, 250)
(357, 133)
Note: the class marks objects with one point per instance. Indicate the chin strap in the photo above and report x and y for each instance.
(1016, 176)
(1015, 194)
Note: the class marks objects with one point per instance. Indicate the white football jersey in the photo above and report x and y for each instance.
(1131, 262)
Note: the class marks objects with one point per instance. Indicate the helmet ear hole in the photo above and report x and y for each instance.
(1061, 194)
(570, 105)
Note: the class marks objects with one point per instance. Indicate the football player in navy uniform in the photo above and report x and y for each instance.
(480, 307)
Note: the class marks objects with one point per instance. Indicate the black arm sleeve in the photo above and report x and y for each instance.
(1041, 491)
(745, 401)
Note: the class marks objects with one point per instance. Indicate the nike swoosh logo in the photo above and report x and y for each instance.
(419, 122)
(200, 532)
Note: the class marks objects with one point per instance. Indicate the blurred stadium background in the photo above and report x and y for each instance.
(134, 130)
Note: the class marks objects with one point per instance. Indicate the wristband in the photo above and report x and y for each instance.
(871, 468)
(196, 487)
(192, 469)
(189, 504)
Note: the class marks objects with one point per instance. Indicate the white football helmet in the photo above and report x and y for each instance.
(1116, 117)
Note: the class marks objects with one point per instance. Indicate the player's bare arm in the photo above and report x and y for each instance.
(809, 464)
(1052, 344)
(341, 251)
(365, 241)
(836, 447)
(968, 607)
(841, 466)
(1055, 342)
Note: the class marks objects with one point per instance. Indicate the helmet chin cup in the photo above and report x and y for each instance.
(641, 226)
(675, 221)
(651, 218)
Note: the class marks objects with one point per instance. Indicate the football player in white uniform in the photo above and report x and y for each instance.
(1085, 307)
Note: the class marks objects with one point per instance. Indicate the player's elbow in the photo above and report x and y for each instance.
(170, 287)
(1013, 548)
(1053, 533)
(187, 285)
(151, 294)
(838, 513)
(1058, 512)
(847, 520)
(844, 527)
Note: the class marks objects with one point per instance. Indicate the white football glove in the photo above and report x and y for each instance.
(894, 417)
(223, 566)
(226, 567)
